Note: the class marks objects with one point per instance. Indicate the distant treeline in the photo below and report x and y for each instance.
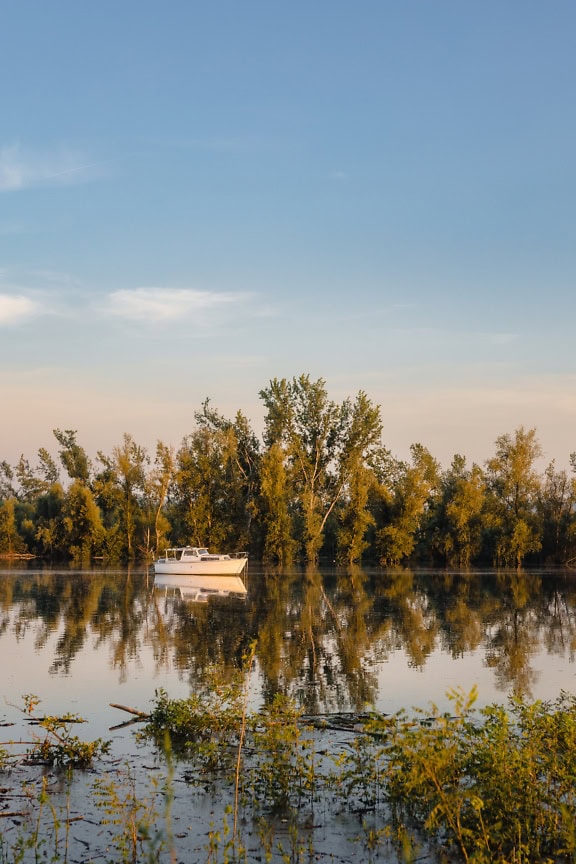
(320, 484)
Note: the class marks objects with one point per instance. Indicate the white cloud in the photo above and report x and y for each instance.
(165, 304)
(21, 169)
(15, 308)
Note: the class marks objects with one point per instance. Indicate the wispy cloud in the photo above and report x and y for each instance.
(14, 309)
(165, 304)
(23, 169)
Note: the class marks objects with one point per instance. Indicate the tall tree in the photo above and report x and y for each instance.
(213, 496)
(513, 488)
(128, 464)
(324, 443)
(354, 516)
(279, 543)
(30, 483)
(242, 465)
(10, 540)
(48, 521)
(458, 524)
(157, 489)
(83, 529)
(556, 509)
(72, 456)
(7, 488)
(413, 490)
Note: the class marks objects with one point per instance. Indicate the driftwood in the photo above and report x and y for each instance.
(141, 714)
(137, 718)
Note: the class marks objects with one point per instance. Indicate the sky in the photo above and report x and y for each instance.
(196, 198)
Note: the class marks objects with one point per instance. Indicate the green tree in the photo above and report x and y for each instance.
(48, 521)
(279, 543)
(361, 446)
(72, 456)
(513, 486)
(241, 450)
(7, 488)
(458, 528)
(10, 540)
(126, 474)
(157, 488)
(414, 489)
(215, 486)
(105, 488)
(324, 443)
(354, 516)
(556, 508)
(48, 467)
(83, 529)
(30, 483)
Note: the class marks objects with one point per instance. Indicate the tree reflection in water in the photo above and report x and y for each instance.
(322, 635)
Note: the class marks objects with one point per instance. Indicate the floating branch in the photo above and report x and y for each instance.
(140, 714)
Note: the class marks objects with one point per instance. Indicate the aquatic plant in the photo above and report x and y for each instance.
(466, 785)
(491, 785)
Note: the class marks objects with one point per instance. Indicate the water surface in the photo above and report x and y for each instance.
(334, 640)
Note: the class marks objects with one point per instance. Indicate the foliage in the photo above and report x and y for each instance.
(83, 529)
(10, 540)
(132, 816)
(513, 486)
(58, 746)
(413, 494)
(458, 517)
(215, 485)
(500, 787)
(320, 484)
(469, 785)
(277, 518)
(354, 517)
(203, 726)
(284, 776)
(72, 455)
(324, 444)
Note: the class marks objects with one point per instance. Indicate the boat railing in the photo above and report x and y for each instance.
(238, 554)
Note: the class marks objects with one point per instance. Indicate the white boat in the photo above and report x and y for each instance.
(198, 561)
(198, 589)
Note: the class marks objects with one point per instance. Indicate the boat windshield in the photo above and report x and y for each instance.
(202, 551)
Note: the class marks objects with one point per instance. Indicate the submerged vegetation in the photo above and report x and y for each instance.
(463, 786)
(320, 484)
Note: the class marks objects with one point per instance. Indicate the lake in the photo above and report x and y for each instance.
(334, 640)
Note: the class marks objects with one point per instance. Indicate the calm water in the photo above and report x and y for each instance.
(334, 640)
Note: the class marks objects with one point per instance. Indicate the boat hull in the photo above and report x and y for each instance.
(206, 567)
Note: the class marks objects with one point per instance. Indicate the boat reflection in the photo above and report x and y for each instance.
(199, 589)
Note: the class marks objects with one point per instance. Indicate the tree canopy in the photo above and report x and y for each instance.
(318, 484)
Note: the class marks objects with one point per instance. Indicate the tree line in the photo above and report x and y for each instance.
(318, 485)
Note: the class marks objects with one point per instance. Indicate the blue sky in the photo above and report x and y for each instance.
(198, 197)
